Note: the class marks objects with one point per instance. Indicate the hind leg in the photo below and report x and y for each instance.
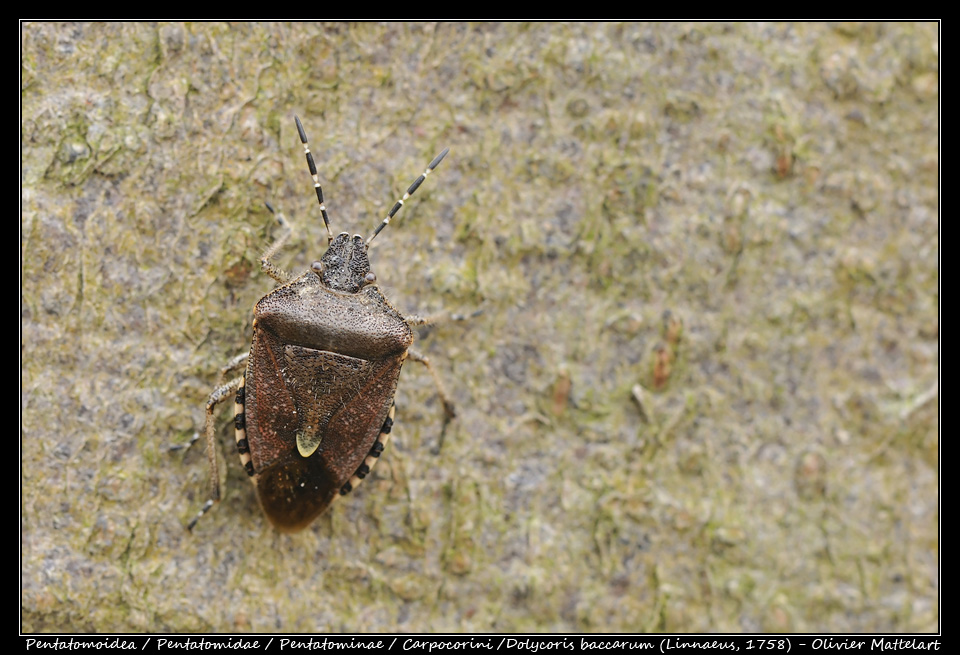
(220, 394)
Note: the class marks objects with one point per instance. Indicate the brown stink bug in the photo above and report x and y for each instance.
(314, 407)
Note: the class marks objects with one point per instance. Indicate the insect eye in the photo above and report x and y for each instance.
(370, 278)
(317, 267)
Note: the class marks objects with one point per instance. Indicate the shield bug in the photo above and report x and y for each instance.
(314, 406)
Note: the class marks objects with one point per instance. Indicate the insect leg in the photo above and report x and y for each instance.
(266, 265)
(439, 317)
(218, 396)
(232, 365)
(449, 411)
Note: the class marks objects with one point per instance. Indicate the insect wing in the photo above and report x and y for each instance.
(327, 405)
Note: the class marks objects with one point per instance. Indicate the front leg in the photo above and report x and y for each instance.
(268, 266)
(439, 318)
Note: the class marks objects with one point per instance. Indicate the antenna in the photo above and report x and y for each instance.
(413, 187)
(316, 178)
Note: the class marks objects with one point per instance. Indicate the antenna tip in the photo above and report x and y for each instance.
(303, 135)
(439, 158)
